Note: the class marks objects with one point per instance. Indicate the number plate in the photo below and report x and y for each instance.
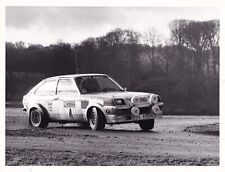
(148, 115)
(143, 116)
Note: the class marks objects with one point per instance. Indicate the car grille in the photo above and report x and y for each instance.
(123, 111)
(143, 110)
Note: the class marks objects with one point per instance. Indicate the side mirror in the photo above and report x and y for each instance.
(125, 89)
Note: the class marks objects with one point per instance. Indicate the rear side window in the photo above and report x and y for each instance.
(66, 87)
(48, 88)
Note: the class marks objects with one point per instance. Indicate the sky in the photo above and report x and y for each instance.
(48, 25)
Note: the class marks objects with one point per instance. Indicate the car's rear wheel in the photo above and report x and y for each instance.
(147, 124)
(96, 119)
(38, 119)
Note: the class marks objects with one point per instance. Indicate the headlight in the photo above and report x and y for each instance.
(154, 99)
(119, 101)
(156, 109)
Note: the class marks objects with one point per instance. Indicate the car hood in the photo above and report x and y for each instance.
(116, 94)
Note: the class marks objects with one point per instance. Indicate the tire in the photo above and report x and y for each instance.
(96, 119)
(38, 119)
(147, 125)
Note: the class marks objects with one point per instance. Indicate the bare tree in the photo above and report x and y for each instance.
(152, 40)
(132, 40)
(177, 29)
(201, 37)
(212, 36)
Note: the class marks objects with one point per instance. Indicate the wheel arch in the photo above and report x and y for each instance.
(88, 109)
(34, 106)
(39, 107)
(43, 115)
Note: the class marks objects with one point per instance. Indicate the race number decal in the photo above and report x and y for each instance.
(70, 113)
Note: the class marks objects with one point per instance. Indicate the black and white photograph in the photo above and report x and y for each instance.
(112, 85)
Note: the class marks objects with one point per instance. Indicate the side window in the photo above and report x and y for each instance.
(66, 87)
(48, 88)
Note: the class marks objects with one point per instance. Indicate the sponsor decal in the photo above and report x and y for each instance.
(140, 100)
(49, 106)
(69, 104)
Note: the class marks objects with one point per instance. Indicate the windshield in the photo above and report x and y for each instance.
(93, 84)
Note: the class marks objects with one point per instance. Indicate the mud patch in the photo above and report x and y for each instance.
(210, 129)
(30, 132)
(16, 157)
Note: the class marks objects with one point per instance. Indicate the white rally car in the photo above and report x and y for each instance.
(89, 99)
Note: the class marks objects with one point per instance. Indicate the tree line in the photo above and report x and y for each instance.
(184, 69)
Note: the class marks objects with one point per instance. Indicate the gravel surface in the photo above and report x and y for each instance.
(75, 158)
(173, 141)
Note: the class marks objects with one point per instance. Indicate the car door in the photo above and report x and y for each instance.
(67, 99)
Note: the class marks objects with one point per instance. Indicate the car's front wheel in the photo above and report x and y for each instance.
(38, 119)
(147, 124)
(96, 119)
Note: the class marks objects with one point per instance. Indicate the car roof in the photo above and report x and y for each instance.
(75, 75)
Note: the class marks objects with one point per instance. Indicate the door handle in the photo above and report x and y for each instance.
(56, 98)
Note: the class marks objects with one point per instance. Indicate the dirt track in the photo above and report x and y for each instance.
(167, 144)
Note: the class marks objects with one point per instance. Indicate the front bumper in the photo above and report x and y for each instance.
(117, 115)
(116, 119)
